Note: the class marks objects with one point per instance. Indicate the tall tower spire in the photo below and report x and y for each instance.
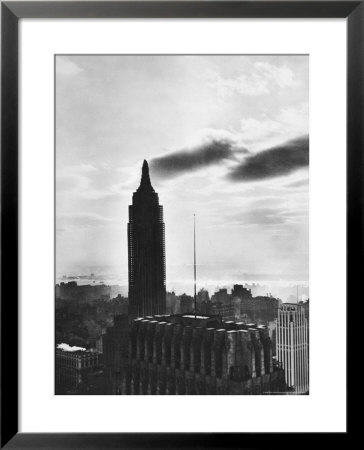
(145, 184)
(146, 251)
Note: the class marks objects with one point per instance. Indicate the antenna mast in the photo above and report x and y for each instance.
(194, 259)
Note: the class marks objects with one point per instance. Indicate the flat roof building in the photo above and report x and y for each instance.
(73, 369)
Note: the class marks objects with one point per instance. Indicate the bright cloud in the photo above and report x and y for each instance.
(260, 80)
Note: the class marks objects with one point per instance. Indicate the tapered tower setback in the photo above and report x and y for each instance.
(146, 251)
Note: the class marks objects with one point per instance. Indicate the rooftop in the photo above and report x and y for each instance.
(199, 321)
(195, 317)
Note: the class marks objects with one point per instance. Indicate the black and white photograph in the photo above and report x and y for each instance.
(181, 224)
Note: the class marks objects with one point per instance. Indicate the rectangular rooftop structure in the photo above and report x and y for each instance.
(192, 316)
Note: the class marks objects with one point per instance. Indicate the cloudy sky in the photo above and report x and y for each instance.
(226, 138)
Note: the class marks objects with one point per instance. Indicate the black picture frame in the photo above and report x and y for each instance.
(11, 12)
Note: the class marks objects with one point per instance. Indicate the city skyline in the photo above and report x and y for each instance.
(226, 138)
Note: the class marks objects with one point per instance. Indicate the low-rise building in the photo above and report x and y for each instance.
(73, 368)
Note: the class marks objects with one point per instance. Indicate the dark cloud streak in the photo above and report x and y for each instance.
(274, 162)
(183, 161)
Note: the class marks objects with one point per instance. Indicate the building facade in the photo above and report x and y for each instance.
(186, 304)
(240, 292)
(221, 296)
(115, 345)
(146, 251)
(172, 301)
(261, 308)
(227, 311)
(201, 355)
(73, 370)
(292, 346)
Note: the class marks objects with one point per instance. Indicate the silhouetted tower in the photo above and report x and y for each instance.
(146, 251)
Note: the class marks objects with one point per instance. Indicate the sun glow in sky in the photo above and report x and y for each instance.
(226, 138)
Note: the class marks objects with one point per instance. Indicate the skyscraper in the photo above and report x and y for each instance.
(292, 345)
(146, 251)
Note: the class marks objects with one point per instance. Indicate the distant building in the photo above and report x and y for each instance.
(186, 304)
(240, 292)
(146, 251)
(115, 344)
(306, 307)
(73, 369)
(227, 311)
(83, 292)
(272, 331)
(261, 308)
(99, 344)
(292, 345)
(184, 354)
(205, 308)
(172, 301)
(221, 296)
(203, 296)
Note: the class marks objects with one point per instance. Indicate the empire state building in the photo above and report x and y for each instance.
(146, 251)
